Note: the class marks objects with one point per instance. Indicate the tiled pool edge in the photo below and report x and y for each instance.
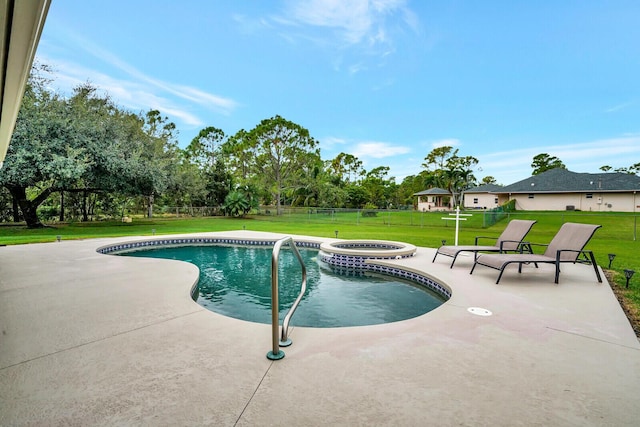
(337, 260)
(188, 241)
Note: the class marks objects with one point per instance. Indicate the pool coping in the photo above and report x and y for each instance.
(94, 339)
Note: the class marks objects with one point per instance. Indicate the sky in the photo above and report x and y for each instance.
(384, 80)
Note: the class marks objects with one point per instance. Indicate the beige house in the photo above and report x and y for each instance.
(434, 199)
(485, 196)
(560, 189)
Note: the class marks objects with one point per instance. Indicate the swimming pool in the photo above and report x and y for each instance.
(236, 281)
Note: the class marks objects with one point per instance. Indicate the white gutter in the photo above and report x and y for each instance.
(21, 23)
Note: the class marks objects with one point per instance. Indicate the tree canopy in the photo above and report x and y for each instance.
(276, 151)
(445, 169)
(84, 154)
(544, 162)
(633, 169)
(83, 143)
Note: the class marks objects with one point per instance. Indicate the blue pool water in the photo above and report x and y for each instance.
(236, 281)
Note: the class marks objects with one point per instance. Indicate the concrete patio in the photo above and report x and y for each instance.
(92, 339)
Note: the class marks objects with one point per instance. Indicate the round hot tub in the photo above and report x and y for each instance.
(354, 253)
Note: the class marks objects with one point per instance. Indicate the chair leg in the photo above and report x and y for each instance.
(557, 272)
(595, 266)
(434, 257)
(454, 260)
(500, 275)
(473, 267)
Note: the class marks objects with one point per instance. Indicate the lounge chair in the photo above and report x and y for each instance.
(510, 240)
(566, 246)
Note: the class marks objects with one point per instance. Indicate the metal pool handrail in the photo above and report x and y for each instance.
(276, 353)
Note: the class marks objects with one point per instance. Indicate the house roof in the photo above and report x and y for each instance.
(433, 192)
(564, 181)
(485, 188)
(21, 24)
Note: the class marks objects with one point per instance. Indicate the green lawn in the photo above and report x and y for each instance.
(618, 234)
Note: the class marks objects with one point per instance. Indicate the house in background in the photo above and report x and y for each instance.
(434, 199)
(485, 196)
(560, 189)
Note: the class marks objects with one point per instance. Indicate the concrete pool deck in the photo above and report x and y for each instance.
(92, 339)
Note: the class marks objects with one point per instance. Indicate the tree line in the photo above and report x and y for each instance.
(81, 157)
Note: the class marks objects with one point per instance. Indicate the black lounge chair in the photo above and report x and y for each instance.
(510, 240)
(566, 246)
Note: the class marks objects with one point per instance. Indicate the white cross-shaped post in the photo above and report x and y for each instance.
(457, 219)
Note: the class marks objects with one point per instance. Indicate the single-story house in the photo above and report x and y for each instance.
(434, 199)
(486, 196)
(560, 189)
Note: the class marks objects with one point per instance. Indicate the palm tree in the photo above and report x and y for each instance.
(236, 204)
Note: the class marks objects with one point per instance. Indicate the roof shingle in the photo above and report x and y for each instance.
(561, 181)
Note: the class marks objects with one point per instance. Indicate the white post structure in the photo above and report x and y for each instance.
(457, 219)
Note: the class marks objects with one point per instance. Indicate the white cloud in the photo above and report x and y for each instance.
(353, 18)
(618, 107)
(137, 90)
(249, 25)
(368, 26)
(330, 141)
(130, 94)
(378, 150)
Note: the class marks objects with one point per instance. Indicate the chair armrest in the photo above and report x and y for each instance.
(530, 245)
(517, 242)
(583, 252)
(484, 237)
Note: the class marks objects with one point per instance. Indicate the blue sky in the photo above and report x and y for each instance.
(384, 80)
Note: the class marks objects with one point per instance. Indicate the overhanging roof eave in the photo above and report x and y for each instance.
(20, 32)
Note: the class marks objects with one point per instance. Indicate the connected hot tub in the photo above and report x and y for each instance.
(355, 253)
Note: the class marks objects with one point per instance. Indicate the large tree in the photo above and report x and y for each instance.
(544, 162)
(206, 147)
(450, 171)
(82, 144)
(347, 166)
(377, 187)
(489, 180)
(42, 154)
(281, 149)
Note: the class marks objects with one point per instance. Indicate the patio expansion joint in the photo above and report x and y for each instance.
(266, 372)
(53, 353)
(593, 338)
(254, 393)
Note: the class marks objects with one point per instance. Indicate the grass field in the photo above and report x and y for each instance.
(618, 234)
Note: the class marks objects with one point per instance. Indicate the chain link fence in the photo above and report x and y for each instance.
(406, 216)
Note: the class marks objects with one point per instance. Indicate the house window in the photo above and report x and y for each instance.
(589, 196)
(475, 200)
(495, 200)
(531, 196)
